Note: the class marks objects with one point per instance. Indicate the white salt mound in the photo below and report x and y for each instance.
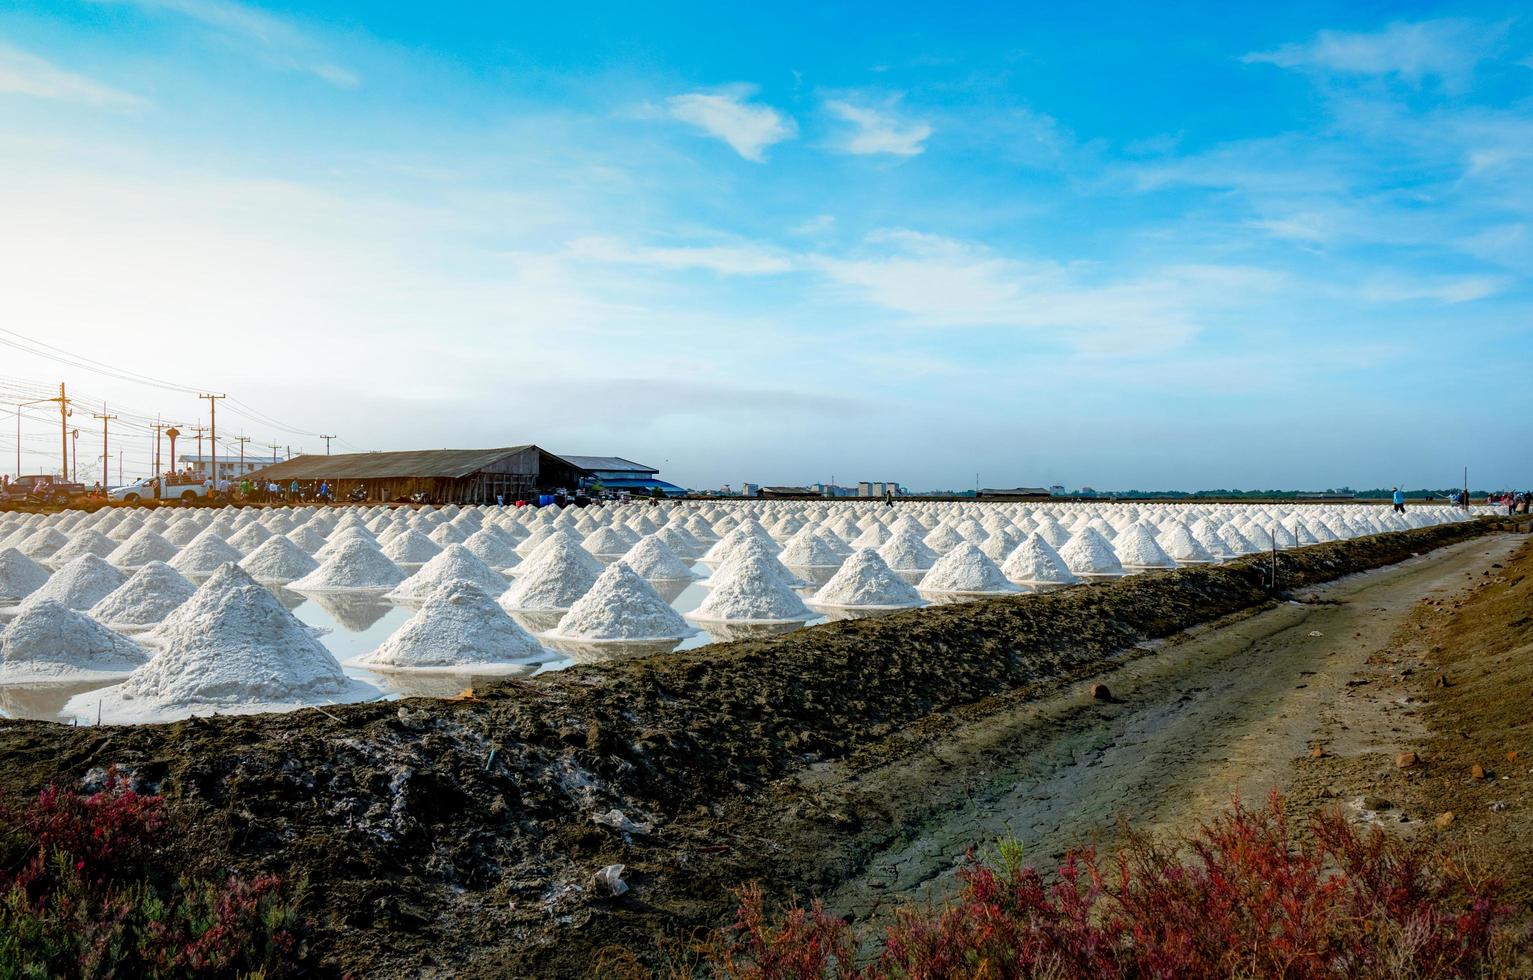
(867, 582)
(808, 550)
(20, 576)
(1184, 549)
(1136, 548)
(552, 578)
(1035, 562)
(655, 562)
(455, 563)
(144, 546)
(278, 560)
(754, 592)
(356, 566)
(621, 607)
(50, 642)
(241, 652)
(80, 584)
(458, 628)
(1089, 555)
(906, 552)
(493, 547)
(154, 592)
(966, 570)
(205, 555)
(411, 547)
(83, 543)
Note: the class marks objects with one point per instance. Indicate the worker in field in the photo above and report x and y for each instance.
(1399, 500)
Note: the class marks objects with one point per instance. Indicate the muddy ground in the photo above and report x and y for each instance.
(853, 760)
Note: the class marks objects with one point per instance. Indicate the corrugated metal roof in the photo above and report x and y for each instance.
(609, 464)
(429, 463)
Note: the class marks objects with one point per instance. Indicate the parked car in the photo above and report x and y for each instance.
(174, 487)
(43, 489)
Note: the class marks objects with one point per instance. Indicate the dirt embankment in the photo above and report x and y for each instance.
(461, 836)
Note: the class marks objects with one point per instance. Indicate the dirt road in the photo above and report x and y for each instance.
(1235, 708)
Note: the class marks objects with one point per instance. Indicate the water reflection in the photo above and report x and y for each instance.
(730, 632)
(537, 622)
(670, 589)
(44, 701)
(434, 685)
(355, 612)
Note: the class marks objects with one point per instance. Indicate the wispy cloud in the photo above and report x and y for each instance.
(1456, 289)
(739, 260)
(276, 41)
(730, 115)
(877, 129)
(1445, 49)
(26, 74)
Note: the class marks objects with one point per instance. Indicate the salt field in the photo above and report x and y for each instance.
(124, 615)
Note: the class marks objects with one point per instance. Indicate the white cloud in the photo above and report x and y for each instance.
(1459, 289)
(941, 282)
(727, 114)
(26, 74)
(734, 260)
(278, 42)
(1446, 49)
(877, 130)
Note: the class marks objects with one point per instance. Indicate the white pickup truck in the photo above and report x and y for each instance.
(168, 487)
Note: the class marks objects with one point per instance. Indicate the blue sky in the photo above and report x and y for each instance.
(1189, 247)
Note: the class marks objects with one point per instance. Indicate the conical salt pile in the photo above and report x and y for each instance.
(20, 576)
(141, 548)
(410, 547)
(752, 551)
(965, 570)
(455, 563)
(306, 538)
(621, 607)
(1036, 563)
(493, 547)
(680, 540)
(80, 584)
(552, 578)
(42, 543)
(460, 629)
(999, 545)
(651, 560)
(238, 651)
(49, 642)
(906, 552)
(205, 555)
(184, 531)
(607, 542)
(278, 560)
(754, 592)
(83, 543)
(143, 601)
(943, 539)
(1178, 542)
(873, 537)
(357, 565)
(1089, 556)
(866, 582)
(1137, 550)
(248, 538)
(806, 549)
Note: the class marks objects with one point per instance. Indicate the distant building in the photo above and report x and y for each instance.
(832, 490)
(1056, 490)
(229, 467)
(1015, 493)
(749, 489)
(617, 473)
(457, 476)
(874, 489)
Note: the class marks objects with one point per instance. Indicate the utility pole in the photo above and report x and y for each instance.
(243, 440)
(213, 433)
(327, 443)
(75, 450)
(199, 429)
(63, 431)
(106, 458)
(274, 447)
(159, 427)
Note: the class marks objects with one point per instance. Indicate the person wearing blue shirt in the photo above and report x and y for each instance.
(1399, 499)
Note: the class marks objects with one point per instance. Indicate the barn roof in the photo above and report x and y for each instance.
(428, 463)
(610, 464)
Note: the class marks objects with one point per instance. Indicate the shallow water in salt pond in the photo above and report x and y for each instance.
(356, 624)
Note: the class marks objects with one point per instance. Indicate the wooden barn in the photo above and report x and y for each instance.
(445, 476)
